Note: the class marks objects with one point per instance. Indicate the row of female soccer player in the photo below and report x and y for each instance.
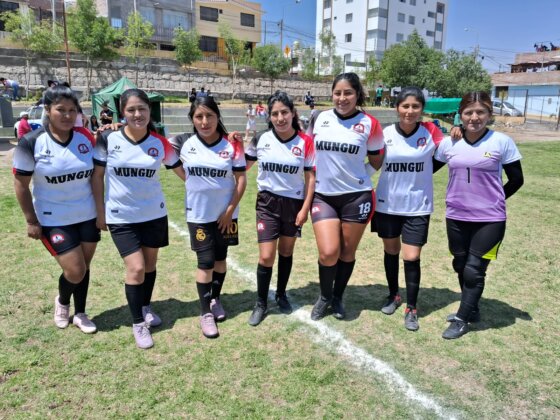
(82, 185)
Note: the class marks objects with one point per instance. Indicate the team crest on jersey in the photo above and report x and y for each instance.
(358, 128)
(57, 238)
(224, 154)
(315, 209)
(83, 149)
(487, 154)
(296, 151)
(153, 152)
(421, 142)
(200, 235)
(260, 226)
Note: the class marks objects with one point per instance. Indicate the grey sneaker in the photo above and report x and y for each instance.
(474, 317)
(217, 310)
(150, 317)
(338, 308)
(258, 314)
(61, 314)
(456, 329)
(393, 302)
(208, 326)
(84, 323)
(142, 335)
(320, 308)
(411, 319)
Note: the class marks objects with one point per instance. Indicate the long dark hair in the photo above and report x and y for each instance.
(208, 102)
(281, 96)
(354, 81)
(143, 96)
(57, 93)
(413, 91)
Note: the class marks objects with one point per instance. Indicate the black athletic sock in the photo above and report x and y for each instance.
(391, 263)
(205, 296)
(412, 275)
(343, 273)
(65, 290)
(217, 283)
(327, 275)
(284, 270)
(149, 282)
(80, 294)
(264, 274)
(135, 297)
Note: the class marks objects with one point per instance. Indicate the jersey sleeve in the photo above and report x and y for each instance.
(375, 143)
(24, 157)
(441, 151)
(435, 132)
(86, 133)
(100, 149)
(170, 158)
(309, 153)
(510, 151)
(239, 164)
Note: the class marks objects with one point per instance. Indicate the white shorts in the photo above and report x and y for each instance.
(251, 125)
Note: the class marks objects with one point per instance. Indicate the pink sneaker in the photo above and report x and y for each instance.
(208, 326)
(61, 314)
(217, 310)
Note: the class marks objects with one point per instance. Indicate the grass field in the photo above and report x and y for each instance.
(290, 367)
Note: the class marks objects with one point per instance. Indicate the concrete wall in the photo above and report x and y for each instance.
(163, 75)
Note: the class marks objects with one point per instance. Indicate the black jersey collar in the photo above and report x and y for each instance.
(209, 145)
(352, 115)
(402, 133)
(477, 140)
(132, 141)
(59, 142)
(283, 141)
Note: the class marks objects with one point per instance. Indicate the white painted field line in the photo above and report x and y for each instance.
(354, 354)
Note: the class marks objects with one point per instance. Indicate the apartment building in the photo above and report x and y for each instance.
(364, 28)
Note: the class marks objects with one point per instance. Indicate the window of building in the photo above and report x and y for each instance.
(437, 45)
(376, 33)
(209, 13)
(431, 15)
(208, 44)
(148, 13)
(401, 17)
(440, 8)
(349, 17)
(349, 1)
(247, 20)
(173, 19)
(430, 33)
(327, 24)
(402, 1)
(167, 47)
(400, 37)
(378, 11)
(326, 4)
(348, 38)
(439, 27)
(413, 2)
(411, 19)
(7, 6)
(347, 58)
(115, 23)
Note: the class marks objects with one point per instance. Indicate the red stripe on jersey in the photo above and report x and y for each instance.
(85, 132)
(48, 246)
(373, 201)
(376, 132)
(309, 148)
(238, 149)
(437, 135)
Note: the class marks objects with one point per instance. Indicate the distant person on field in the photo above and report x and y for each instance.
(260, 110)
(251, 122)
(192, 95)
(11, 84)
(106, 115)
(309, 99)
(378, 95)
(23, 126)
(202, 93)
(93, 124)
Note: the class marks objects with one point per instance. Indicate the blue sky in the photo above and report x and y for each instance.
(504, 27)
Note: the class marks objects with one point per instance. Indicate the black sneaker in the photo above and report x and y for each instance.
(393, 302)
(283, 304)
(474, 317)
(456, 329)
(338, 308)
(259, 313)
(320, 308)
(411, 319)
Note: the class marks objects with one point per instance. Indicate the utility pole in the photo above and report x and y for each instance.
(281, 24)
(66, 42)
(53, 11)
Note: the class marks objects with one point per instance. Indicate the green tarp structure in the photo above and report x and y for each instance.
(442, 105)
(112, 94)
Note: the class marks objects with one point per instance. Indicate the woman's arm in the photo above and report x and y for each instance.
(25, 200)
(98, 188)
(377, 160)
(180, 172)
(514, 174)
(302, 215)
(224, 221)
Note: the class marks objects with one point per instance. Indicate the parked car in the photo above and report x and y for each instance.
(36, 114)
(505, 108)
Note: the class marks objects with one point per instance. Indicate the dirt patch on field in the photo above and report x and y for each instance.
(523, 136)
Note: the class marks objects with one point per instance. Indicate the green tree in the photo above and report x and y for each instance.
(309, 64)
(235, 50)
(337, 65)
(462, 74)
(91, 35)
(36, 38)
(137, 37)
(187, 48)
(270, 60)
(373, 72)
(328, 50)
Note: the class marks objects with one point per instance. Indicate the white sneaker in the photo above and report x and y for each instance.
(84, 323)
(61, 314)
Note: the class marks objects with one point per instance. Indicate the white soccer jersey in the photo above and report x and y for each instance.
(61, 174)
(405, 185)
(341, 145)
(210, 181)
(133, 191)
(282, 162)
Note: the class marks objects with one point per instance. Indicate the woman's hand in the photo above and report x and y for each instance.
(456, 133)
(100, 222)
(235, 136)
(301, 217)
(224, 221)
(34, 230)
(113, 126)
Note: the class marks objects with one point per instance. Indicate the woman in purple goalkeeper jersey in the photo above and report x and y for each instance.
(476, 208)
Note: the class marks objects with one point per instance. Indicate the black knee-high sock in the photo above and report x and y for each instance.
(264, 274)
(284, 270)
(412, 274)
(149, 282)
(65, 290)
(391, 263)
(474, 275)
(327, 274)
(135, 297)
(217, 283)
(343, 273)
(80, 294)
(205, 296)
